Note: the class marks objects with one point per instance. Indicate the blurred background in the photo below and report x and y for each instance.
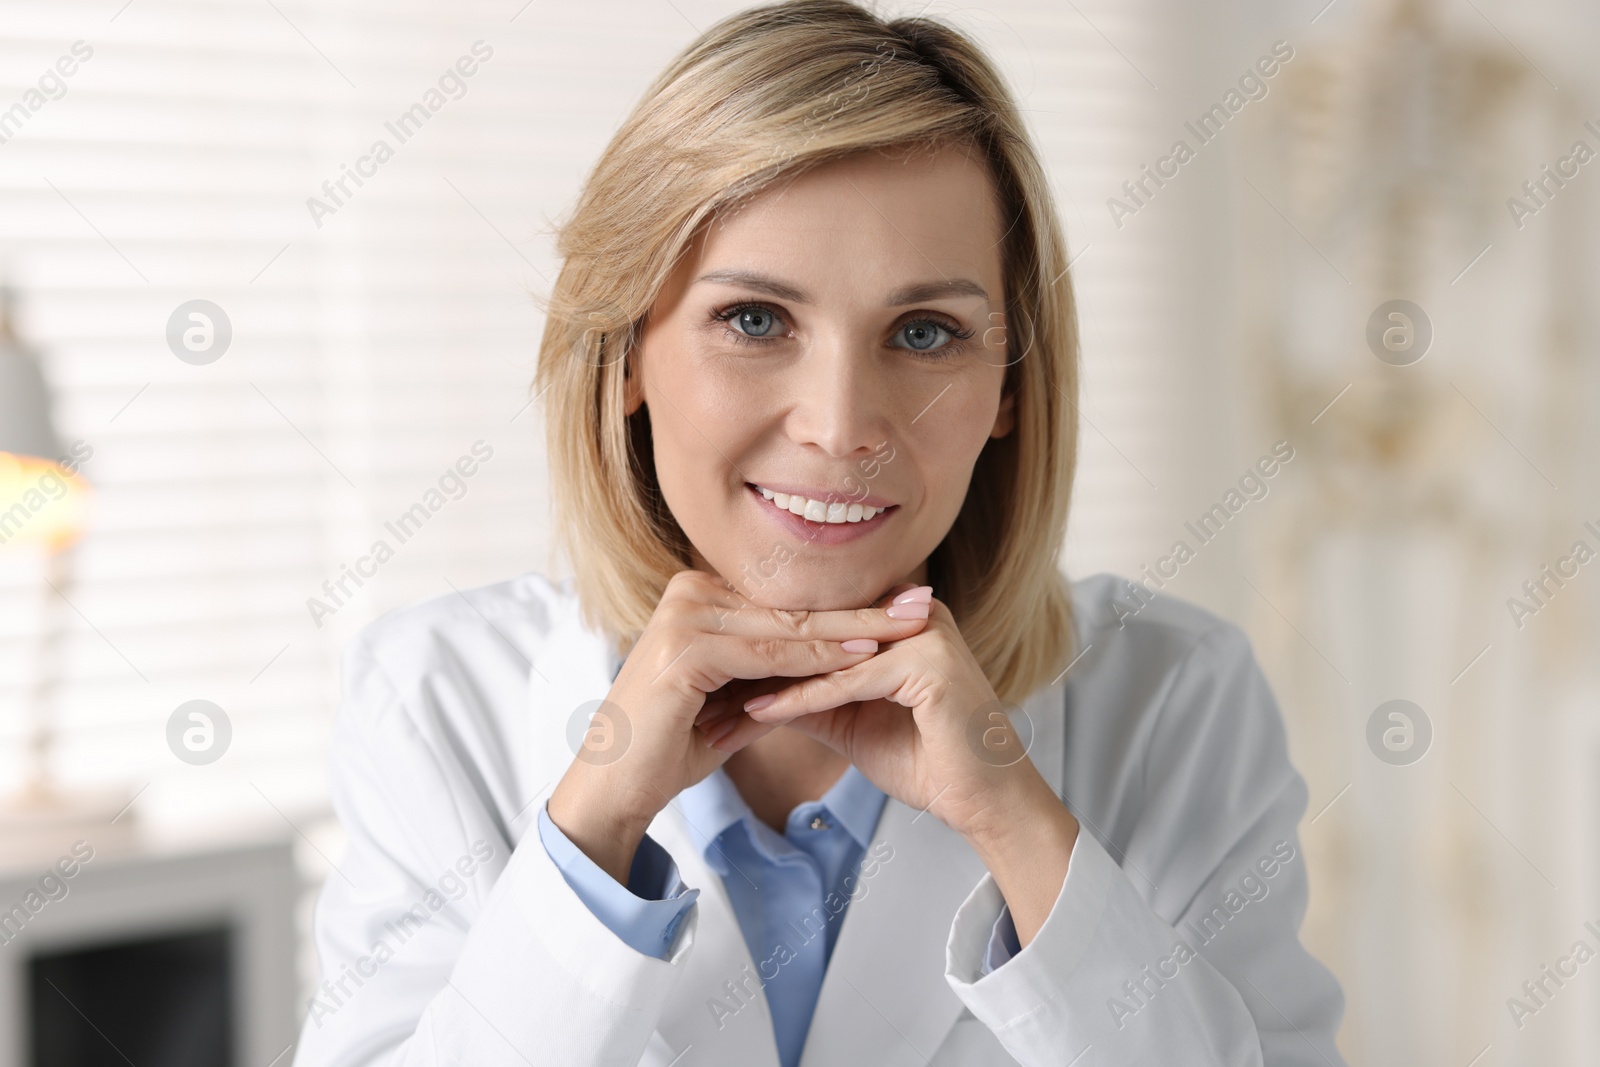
(239, 342)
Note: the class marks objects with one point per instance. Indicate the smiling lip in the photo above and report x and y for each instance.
(827, 496)
(822, 533)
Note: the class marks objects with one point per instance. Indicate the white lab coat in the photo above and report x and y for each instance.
(1163, 736)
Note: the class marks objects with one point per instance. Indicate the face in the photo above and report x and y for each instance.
(833, 350)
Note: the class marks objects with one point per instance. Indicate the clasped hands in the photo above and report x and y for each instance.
(920, 720)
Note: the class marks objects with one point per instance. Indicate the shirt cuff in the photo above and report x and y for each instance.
(1003, 941)
(647, 913)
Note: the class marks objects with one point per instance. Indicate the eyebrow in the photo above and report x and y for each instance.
(910, 294)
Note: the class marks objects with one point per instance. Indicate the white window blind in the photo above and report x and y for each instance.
(372, 352)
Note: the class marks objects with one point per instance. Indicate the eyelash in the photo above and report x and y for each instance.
(958, 334)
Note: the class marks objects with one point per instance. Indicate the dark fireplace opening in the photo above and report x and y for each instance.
(158, 1002)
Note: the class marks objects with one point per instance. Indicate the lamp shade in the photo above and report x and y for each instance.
(25, 425)
(25, 428)
(41, 502)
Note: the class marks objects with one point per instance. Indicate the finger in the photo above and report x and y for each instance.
(909, 605)
(710, 590)
(712, 714)
(888, 598)
(749, 620)
(730, 658)
(738, 732)
(731, 697)
(876, 679)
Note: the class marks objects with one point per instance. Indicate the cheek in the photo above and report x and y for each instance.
(947, 448)
(700, 424)
(951, 438)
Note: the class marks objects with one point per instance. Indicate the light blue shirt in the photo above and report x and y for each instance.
(789, 891)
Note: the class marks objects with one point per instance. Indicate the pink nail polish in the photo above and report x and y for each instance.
(859, 644)
(907, 611)
(757, 703)
(921, 595)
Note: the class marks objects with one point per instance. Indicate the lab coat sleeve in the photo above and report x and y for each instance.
(440, 940)
(1184, 948)
(1003, 943)
(646, 912)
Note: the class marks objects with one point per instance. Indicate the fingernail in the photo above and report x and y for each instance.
(907, 611)
(858, 644)
(921, 595)
(757, 703)
(719, 731)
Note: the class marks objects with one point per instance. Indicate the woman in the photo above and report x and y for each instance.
(817, 759)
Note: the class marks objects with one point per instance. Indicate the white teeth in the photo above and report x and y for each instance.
(818, 510)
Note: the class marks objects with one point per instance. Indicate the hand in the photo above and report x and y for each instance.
(921, 721)
(704, 652)
(918, 718)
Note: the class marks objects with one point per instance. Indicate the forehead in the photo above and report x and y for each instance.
(869, 219)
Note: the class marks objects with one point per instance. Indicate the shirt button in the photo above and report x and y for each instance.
(819, 823)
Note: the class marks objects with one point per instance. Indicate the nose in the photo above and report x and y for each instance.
(841, 403)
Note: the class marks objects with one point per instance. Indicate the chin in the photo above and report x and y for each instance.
(799, 592)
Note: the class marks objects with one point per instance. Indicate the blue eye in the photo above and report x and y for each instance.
(754, 321)
(757, 324)
(923, 334)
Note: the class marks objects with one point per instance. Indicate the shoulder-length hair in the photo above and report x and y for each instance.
(762, 95)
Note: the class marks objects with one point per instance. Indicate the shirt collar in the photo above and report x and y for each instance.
(713, 804)
(856, 803)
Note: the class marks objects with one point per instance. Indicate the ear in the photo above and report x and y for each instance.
(1005, 419)
(632, 385)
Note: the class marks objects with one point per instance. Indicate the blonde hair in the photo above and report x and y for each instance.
(765, 94)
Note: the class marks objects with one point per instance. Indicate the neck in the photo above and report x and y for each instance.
(782, 769)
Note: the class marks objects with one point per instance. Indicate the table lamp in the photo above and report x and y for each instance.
(42, 505)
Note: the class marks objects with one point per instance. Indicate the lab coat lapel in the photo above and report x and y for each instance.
(717, 1010)
(572, 667)
(885, 999)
